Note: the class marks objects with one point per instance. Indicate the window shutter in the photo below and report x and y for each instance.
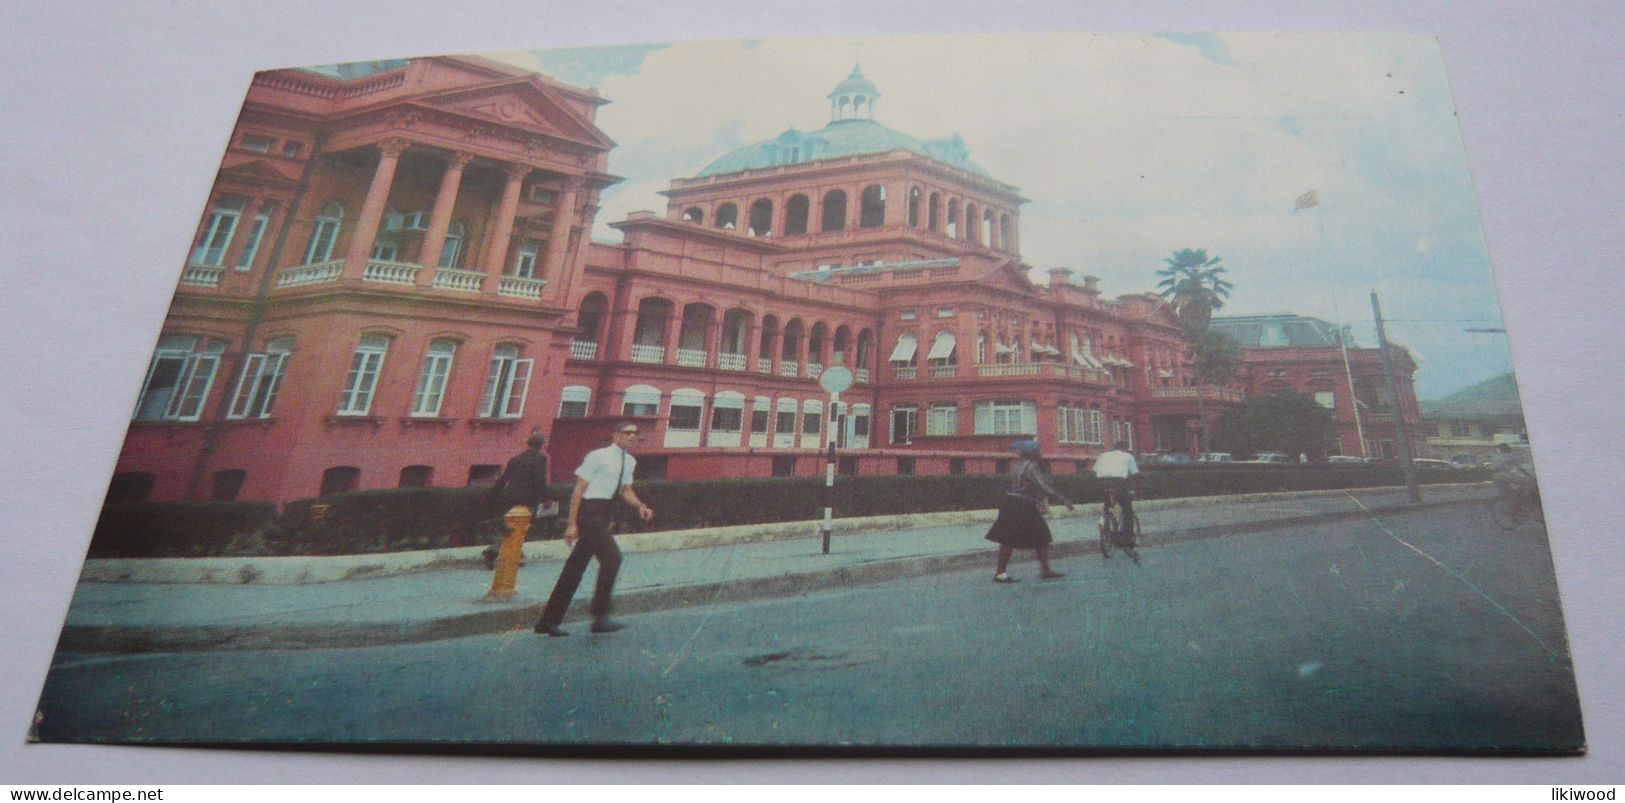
(518, 389)
(1029, 418)
(1062, 425)
(984, 418)
(177, 397)
(248, 385)
(488, 401)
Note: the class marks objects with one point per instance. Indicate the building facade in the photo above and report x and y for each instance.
(394, 283)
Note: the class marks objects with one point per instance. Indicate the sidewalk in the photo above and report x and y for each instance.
(444, 603)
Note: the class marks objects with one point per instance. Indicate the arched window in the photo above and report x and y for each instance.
(841, 346)
(692, 335)
(816, 341)
(340, 479)
(215, 237)
(767, 343)
(641, 400)
(507, 384)
(683, 422)
(987, 228)
(431, 389)
(872, 213)
(575, 402)
(784, 423)
(694, 214)
(727, 216)
(903, 354)
(933, 212)
(417, 476)
(325, 233)
(649, 335)
(761, 218)
(952, 227)
(790, 349)
(834, 211)
(973, 227)
(735, 324)
(797, 210)
(261, 380)
(865, 343)
(179, 378)
(914, 207)
(590, 320)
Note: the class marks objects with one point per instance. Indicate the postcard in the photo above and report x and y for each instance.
(972, 392)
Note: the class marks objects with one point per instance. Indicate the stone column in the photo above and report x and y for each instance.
(713, 338)
(372, 210)
(780, 214)
(496, 245)
(854, 208)
(564, 218)
(434, 240)
(753, 341)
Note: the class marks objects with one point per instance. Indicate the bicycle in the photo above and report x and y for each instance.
(1514, 506)
(1125, 538)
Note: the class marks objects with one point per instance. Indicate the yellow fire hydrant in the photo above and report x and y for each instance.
(517, 520)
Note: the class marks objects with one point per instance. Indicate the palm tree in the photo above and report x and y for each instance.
(1195, 285)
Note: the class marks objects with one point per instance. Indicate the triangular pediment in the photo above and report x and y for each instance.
(524, 103)
(1007, 275)
(256, 169)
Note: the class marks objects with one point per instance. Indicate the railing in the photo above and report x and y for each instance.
(583, 350)
(862, 374)
(315, 273)
(202, 275)
(693, 358)
(521, 287)
(465, 281)
(814, 370)
(764, 365)
(1011, 369)
(642, 353)
(1217, 394)
(390, 272)
(731, 362)
(944, 371)
(905, 372)
(789, 368)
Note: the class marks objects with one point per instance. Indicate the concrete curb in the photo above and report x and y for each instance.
(335, 568)
(504, 617)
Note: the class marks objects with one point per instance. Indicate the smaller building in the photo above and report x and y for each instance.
(1286, 352)
(1471, 423)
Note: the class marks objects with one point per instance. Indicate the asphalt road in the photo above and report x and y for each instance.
(1428, 631)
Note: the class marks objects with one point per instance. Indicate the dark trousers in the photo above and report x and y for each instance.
(1119, 488)
(596, 542)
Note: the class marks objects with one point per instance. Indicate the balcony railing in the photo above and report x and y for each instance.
(642, 353)
(386, 272)
(465, 281)
(1216, 394)
(764, 365)
(315, 273)
(521, 287)
(905, 372)
(944, 371)
(693, 358)
(814, 370)
(583, 350)
(862, 374)
(731, 362)
(202, 275)
(789, 368)
(1012, 369)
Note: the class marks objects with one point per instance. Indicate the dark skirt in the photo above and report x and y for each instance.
(1019, 524)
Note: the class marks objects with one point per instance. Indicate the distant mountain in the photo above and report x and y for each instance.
(1496, 394)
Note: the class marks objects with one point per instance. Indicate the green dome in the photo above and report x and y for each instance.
(856, 84)
(838, 139)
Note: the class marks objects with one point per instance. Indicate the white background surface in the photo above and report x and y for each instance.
(113, 118)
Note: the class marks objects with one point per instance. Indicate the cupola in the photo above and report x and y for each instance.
(853, 98)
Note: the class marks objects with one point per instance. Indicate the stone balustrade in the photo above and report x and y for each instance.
(583, 350)
(693, 358)
(463, 281)
(522, 287)
(652, 354)
(315, 273)
(202, 275)
(731, 362)
(386, 272)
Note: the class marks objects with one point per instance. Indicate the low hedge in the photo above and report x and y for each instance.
(405, 519)
(181, 529)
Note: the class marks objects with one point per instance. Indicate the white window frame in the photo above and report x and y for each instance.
(763, 406)
(911, 412)
(527, 258)
(431, 390)
(727, 404)
(641, 396)
(215, 240)
(366, 363)
(812, 424)
(853, 439)
(194, 378)
(325, 234)
(452, 250)
(784, 437)
(508, 383)
(260, 381)
(942, 418)
(1063, 424)
(577, 395)
(683, 436)
(1006, 417)
(1330, 400)
(256, 234)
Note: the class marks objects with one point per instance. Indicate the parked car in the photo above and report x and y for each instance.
(1269, 457)
(1347, 459)
(1215, 457)
(1466, 461)
(1174, 459)
(1431, 464)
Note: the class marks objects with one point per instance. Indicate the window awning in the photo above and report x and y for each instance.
(1166, 374)
(577, 393)
(999, 347)
(642, 394)
(905, 349)
(942, 348)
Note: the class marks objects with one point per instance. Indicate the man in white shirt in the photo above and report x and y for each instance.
(604, 476)
(1113, 469)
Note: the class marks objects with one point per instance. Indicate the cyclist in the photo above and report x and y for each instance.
(1514, 478)
(1115, 469)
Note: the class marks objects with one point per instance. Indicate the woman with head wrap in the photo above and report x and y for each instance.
(1020, 524)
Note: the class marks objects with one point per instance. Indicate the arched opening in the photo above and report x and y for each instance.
(933, 212)
(861, 362)
(761, 218)
(872, 212)
(694, 214)
(735, 326)
(790, 348)
(767, 343)
(987, 229)
(796, 213)
(727, 216)
(590, 320)
(649, 335)
(339, 479)
(839, 347)
(416, 477)
(691, 337)
(972, 224)
(952, 227)
(834, 218)
(914, 207)
(815, 348)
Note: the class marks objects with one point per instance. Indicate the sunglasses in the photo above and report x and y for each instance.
(627, 432)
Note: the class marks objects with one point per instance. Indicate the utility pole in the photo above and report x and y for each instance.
(1399, 409)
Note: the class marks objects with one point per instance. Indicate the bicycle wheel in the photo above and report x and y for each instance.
(1131, 538)
(1504, 514)
(1108, 528)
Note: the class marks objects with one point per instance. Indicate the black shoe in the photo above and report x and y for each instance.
(551, 630)
(490, 556)
(607, 626)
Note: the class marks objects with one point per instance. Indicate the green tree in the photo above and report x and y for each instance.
(1287, 422)
(1194, 283)
(1214, 357)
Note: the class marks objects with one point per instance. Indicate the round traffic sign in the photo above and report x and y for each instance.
(835, 379)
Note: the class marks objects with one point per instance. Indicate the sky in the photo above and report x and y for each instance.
(1129, 147)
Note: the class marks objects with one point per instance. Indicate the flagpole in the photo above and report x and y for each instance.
(1343, 332)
